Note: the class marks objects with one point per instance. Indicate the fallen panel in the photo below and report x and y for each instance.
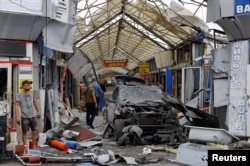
(215, 135)
(129, 160)
(79, 65)
(85, 134)
(193, 154)
(221, 92)
(88, 144)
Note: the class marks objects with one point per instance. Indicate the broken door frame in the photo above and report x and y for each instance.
(7, 98)
(200, 91)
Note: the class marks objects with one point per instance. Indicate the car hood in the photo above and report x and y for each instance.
(204, 119)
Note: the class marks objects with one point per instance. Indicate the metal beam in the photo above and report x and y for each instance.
(121, 50)
(131, 56)
(98, 34)
(124, 3)
(118, 35)
(145, 27)
(97, 59)
(92, 64)
(145, 35)
(100, 26)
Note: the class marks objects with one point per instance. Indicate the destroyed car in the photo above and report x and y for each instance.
(134, 102)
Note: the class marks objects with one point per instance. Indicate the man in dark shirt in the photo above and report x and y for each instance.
(103, 85)
(91, 105)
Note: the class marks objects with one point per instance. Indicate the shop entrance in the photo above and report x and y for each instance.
(5, 86)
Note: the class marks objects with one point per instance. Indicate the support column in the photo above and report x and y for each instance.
(237, 108)
(77, 95)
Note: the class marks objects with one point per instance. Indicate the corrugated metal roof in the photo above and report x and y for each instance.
(133, 29)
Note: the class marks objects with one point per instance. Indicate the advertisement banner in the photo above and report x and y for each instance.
(241, 7)
(24, 73)
(115, 63)
(144, 67)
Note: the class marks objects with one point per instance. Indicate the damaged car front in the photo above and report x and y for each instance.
(151, 111)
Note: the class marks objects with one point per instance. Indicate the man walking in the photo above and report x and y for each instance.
(99, 95)
(26, 102)
(91, 105)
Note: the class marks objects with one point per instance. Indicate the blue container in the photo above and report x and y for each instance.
(71, 144)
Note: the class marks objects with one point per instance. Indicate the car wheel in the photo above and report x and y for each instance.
(119, 124)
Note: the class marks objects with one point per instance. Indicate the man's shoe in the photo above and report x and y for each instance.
(92, 127)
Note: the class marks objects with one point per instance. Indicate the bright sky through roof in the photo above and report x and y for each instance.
(192, 5)
(198, 10)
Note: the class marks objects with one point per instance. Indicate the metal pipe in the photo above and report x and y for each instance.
(72, 99)
(77, 94)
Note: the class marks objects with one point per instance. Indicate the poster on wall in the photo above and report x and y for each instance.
(144, 67)
(25, 73)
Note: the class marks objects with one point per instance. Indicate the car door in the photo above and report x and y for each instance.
(112, 105)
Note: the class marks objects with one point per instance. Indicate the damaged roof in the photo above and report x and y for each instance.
(136, 30)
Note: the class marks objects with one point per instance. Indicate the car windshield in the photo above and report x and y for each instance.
(139, 94)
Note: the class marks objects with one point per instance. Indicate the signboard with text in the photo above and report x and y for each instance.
(237, 111)
(115, 63)
(241, 7)
(144, 67)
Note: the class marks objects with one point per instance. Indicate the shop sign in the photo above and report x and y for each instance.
(109, 77)
(236, 115)
(25, 70)
(144, 67)
(115, 63)
(62, 12)
(20, 59)
(241, 7)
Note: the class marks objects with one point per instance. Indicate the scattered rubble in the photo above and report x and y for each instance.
(187, 130)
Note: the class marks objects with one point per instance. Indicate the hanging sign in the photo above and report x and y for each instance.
(144, 67)
(237, 109)
(115, 63)
(241, 7)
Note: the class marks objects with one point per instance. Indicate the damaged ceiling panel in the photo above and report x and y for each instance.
(225, 13)
(131, 29)
(79, 65)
